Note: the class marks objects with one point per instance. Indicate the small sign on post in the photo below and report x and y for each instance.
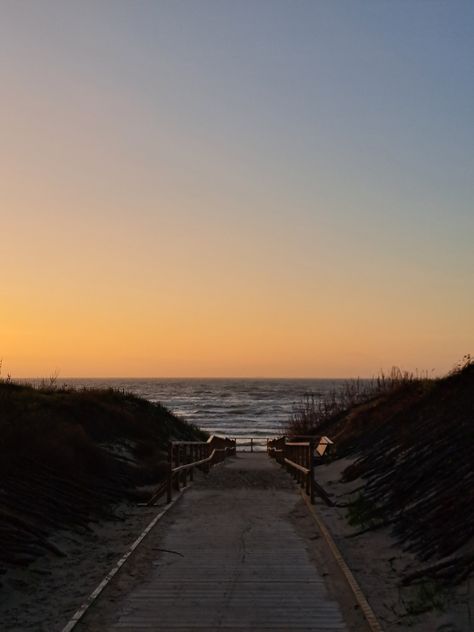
(324, 445)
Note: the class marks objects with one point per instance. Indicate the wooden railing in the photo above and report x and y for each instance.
(185, 456)
(275, 448)
(298, 458)
(297, 454)
(322, 445)
(251, 444)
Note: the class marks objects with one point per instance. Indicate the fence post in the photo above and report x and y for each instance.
(311, 471)
(184, 450)
(251, 444)
(193, 458)
(177, 459)
(169, 479)
(301, 462)
(208, 454)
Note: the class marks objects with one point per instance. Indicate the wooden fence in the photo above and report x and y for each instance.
(185, 456)
(298, 458)
(256, 443)
(298, 455)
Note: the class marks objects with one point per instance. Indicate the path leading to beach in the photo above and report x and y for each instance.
(234, 553)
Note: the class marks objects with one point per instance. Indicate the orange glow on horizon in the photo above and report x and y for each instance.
(238, 201)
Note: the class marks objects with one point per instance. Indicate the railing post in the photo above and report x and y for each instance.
(208, 454)
(177, 461)
(183, 449)
(298, 460)
(303, 463)
(191, 471)
(311, 471)
(251, 444)
(308, 466)
(169, 480)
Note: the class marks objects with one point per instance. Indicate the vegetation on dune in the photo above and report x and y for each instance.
(413, 439)
(67, 456)
(313, 414)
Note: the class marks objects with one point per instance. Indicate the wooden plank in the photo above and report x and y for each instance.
(242, 565)
(296, 466)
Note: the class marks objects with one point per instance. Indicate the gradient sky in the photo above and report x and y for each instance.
(236, 188)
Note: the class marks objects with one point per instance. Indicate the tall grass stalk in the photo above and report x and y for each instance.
(314, 411)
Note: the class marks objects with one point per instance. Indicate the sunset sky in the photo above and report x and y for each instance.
(235, 187)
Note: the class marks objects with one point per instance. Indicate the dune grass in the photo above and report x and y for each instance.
(68, 456)
(312, 413)
(412, 441)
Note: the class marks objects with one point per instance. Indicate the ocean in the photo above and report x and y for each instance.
(229, 407)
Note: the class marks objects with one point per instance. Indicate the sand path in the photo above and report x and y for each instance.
(235, 553)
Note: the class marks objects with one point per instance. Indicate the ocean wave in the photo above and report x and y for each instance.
(235, 407)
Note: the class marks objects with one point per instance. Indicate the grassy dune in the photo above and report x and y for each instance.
(68, 456)
(413, 441)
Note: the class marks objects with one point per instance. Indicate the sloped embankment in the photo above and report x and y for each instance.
(415, 454)
(67, 456)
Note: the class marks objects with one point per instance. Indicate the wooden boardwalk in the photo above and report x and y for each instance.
(232, 559)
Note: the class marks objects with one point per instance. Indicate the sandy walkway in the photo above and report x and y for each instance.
(44, 596)
(237, 552)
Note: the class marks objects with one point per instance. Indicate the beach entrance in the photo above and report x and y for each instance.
(235, 552)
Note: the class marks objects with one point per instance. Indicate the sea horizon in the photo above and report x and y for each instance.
(187, 377)
(232, 407)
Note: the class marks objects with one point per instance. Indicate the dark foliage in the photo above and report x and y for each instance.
(67, 456)
(417, 459)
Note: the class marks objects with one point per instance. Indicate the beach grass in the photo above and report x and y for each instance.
(69, 456)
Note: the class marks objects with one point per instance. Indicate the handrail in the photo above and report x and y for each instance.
(296, 466)
(323, 445)
(298, 458)
(256, 443)
(184, 456)
(210, 439)
(188, 466)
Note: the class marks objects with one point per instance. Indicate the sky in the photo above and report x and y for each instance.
(236, 188)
